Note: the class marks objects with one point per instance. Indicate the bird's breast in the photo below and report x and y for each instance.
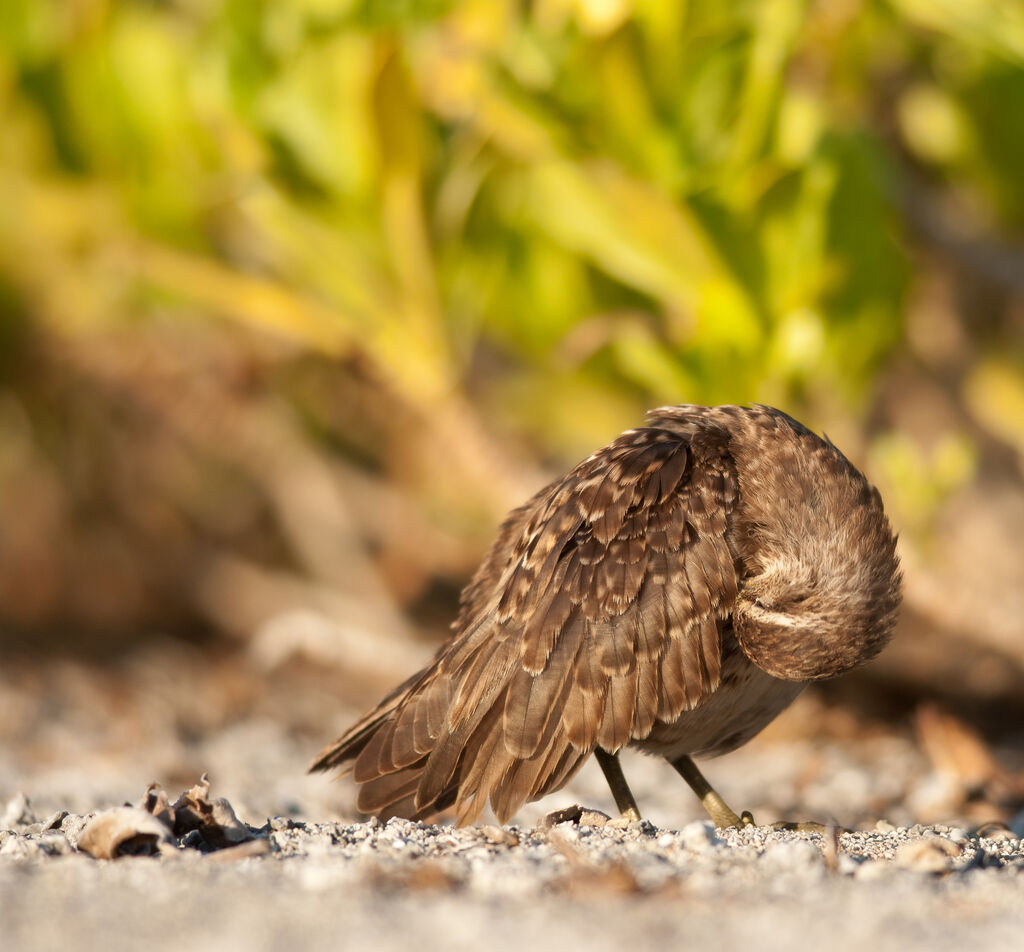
(747, 700)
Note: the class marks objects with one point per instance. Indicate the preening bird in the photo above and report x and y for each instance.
(673, 593)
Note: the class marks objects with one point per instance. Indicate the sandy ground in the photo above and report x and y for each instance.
(76, 742)
(404, 885)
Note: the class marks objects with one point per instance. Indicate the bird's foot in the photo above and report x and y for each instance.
(726, 818)
(723, 817)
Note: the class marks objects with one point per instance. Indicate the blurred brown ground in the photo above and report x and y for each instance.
(183, 565)
(323, 290)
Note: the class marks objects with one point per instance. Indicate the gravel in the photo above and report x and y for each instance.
(594, 882)
(76, 743)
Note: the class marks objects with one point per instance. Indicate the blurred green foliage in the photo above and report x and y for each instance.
(549, 215)
(689, 200)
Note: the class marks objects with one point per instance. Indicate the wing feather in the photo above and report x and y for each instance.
(596, 613)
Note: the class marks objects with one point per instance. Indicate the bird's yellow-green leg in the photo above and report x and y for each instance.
(612, 770)
(717, 808)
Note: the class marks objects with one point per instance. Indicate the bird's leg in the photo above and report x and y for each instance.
(717, 808)
(723, 816)
(612, 770)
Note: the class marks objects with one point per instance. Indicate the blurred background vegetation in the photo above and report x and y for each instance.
(297, 298)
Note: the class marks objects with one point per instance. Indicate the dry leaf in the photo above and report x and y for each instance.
(214, 819)
(124, 831)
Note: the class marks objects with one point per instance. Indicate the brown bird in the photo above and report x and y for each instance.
(674, 593)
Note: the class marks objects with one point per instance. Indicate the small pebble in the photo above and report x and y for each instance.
(17, 812)
(700, 836)
(872, 869)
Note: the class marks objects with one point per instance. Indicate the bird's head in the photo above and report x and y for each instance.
(801, 625)
(821, 583)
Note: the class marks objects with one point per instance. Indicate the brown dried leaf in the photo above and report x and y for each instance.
(214, 819)
(570, 814)
(156, 803)
(124, 831)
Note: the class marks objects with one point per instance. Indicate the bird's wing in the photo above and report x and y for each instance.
(596, 612)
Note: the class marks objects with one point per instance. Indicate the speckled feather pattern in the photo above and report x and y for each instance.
(674, 592)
